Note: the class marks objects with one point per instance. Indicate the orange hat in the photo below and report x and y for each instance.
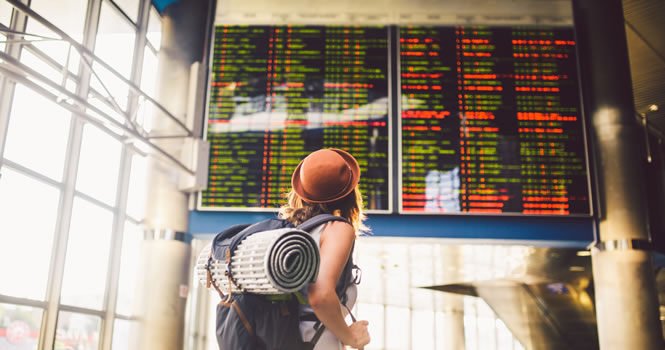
(325, 176)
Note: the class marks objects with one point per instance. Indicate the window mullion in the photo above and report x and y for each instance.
(123, 186)
(137, 64)
(18, 23)
(113, 276)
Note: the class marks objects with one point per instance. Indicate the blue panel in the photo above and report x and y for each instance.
(160, 5)
(549, 231)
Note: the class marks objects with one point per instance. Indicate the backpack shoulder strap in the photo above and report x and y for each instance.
(320, 219)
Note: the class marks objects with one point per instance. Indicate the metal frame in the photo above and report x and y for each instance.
(88, 58)
(13, 71)
(76, 104)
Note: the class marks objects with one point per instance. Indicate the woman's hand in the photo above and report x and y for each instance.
(359, 335)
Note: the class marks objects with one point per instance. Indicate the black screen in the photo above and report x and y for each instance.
(280, 92)
(489, 118)
(491, 121)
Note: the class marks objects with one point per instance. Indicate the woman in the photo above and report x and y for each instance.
(326, 182)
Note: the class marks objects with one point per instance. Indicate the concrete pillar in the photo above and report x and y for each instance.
(626, 303)
(164, 269)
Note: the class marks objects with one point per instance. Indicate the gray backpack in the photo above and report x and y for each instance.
(248, 321)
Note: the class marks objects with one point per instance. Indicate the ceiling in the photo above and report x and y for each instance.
(645, 29)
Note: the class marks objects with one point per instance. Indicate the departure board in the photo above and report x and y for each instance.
(491, 121)
(277, 93)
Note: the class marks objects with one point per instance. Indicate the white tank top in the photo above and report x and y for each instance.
(351, 291)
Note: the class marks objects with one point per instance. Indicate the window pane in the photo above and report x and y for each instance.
(23, 199)
(37, 134)
(68, 15)
(129, 7)
(108, 86)
(50, 72)
(5, 13)
(154, 34)
(397, 328)
(115, 40)
(136, 198)
(121, 329)
(87, 255)
(19, 327)
(77, 331)
(131, 242)
(422, 329)
(374, 314)
(148, 85)
(99, 165)
(149, 72)
(58, 50)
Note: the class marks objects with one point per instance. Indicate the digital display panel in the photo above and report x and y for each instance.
(277, 93)
(491, 121)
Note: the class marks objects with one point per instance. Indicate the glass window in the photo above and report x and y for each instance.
(422, 329)
(121, 329)
(68, 15)
(397, 328)
(146, 109)
(504, 336)
(154, 34)
(19, 327)
(486, 332)
(37, 133)
(48, 71)
(129, 7)
(470, 331)
(115, 40)
(99, 165)
(58, 50)
(87, 255)
(5, 13)
(374, 314)
(28, 212)
(77, 331)
(108, 86)
(138, 179)
(149, 72)
(131, 243)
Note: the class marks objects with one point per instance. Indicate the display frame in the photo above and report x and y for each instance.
(583, 122)
(390, 121)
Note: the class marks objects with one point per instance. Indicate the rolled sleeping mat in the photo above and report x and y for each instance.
(268, 262)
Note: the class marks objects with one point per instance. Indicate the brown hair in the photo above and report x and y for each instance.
(297, 211)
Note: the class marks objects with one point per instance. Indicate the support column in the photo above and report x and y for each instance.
(626, 303)
(164, 268)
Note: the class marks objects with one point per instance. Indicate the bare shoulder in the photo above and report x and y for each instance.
(340, 230)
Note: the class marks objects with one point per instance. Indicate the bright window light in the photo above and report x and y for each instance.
(137, 196)
(88, 249)
(68, 15)
(37, 134)
(77, 331)
(99, 165)
(129, 260)
(154, 34)
(19, 327)
(26, 243)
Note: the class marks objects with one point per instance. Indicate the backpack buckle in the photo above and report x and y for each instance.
(357, 274)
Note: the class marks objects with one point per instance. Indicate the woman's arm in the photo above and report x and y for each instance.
(336, 243)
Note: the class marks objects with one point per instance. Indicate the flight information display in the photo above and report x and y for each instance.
(277, 93)
(491, 121)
